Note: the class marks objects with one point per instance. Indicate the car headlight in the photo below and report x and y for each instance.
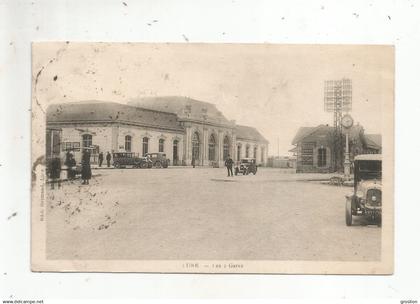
(373, 198)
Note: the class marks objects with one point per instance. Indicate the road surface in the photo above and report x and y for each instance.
(185, 213)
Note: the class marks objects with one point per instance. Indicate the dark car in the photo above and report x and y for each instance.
(124, 159)
(157, 160)
(366, 199)
(246, 166)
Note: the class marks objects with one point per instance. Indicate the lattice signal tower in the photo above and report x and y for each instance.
(338, 99)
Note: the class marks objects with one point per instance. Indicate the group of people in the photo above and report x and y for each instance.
(101, 159)
(54, 167)
(70, 163)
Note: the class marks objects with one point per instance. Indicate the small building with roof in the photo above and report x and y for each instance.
(183, 128)
(314, 147)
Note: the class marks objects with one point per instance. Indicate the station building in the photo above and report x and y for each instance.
(180, 127)
(314, 147)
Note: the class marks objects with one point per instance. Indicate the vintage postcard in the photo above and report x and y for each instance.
(212, 158)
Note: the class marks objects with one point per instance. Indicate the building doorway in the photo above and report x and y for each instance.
(322, 157)
(175, 152)
(226, 146)
(212, 148)
(196, 147)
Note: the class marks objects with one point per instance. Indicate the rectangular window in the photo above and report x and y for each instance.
(145, 145)
(87, 140)
(128, 143)
(161, 145)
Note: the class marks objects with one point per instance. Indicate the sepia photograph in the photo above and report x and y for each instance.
(212, 158)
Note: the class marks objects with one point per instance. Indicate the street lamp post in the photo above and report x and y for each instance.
(347, 123)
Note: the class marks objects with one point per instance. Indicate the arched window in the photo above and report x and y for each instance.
(212, 148)
(225, 147)
(128, 143)
(247, 151)
(322, 157)
(238, 152)
(196, 146)
(255, 152)
(161, 145)
(145, 145)
(87, 140)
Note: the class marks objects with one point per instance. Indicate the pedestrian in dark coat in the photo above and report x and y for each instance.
(108, 159)
(55, 171)
(193, 162)
(86, 171)
(70, 163)
(100, 159)
(229, 165)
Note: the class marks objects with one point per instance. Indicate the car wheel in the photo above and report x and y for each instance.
(349, 215)
(117, 165)
(143, 165)
(158, 165)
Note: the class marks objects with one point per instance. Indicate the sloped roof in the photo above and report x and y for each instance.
(249, 133)
(102, 111)
(306, 131)
(184, 107)
(355, 132)
(373, 140)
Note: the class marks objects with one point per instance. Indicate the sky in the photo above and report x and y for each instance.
(274, 88)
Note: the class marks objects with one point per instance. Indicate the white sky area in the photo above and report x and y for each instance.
(274, 88)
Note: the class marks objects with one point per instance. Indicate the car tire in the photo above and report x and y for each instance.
(158, 165)
(143, 165)
(349, 213)
(117, 165)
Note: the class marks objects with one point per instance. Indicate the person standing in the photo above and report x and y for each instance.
(70, 163)
(229, 165)
(55, 171)
(193, 162)
(100, 158)
(86, 171)
(108, 159)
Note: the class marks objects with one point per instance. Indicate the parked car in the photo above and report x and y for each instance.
(124, 159)
(366, 199)
(246, 166)
(157, 160)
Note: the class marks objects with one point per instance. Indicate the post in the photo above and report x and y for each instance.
(347, 158)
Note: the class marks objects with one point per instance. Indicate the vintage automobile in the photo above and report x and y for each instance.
(246, 166)
(157, 159)
(366, 199)
(124, 159)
